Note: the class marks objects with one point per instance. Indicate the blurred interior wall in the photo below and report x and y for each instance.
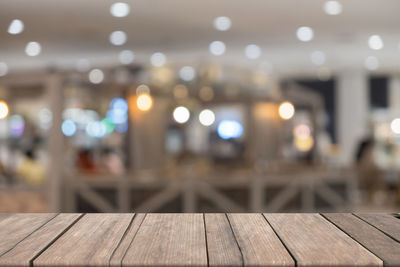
(394, 93)
(352, 98)
(147, 135)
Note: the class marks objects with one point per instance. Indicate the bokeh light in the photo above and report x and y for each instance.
(3, 109)
(228, 129)
(96, 76)
(144, 102)
(187, 73)
(375, 42)
(395, 126)
(33, 49)
(217, 48)
(252, 51)
(206, 117)
(305, 34)
(286, 110)
(333, 8)
(17, 125)
(181, 114)
(16, 27)
(371, 63)
(68, 127)
(126, 57)
(222, 23)
(120, 9)
(118, 38)
(158, 59)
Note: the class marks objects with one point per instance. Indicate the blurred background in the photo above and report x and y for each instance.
(199, 106)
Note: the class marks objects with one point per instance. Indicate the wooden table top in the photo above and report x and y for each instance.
(312, 239)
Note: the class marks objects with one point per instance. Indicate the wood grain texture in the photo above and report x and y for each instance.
(119, 253)
(89, 242)
(222, 247)
(15, 228)
(374, 240)
(257, 241)
(314, 241)
(169, 240)
(31, 246)
(384, 222)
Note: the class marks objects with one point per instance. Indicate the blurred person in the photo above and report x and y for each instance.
(368, 173)
(113, 162)
(30, 169)
(85, 163)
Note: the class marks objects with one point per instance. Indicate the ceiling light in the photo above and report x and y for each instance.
(252, 51)
(16, 27)
(333, 8)
(375, 42)
(187, 73)
(126, 57)
(120, 9)
(96, 76)
(222, 23)
(318, 58)
(181, 114)
(305, 34)
(217, 48)
(371, 63)
(33, 49)
(158, 59)
(118, 38)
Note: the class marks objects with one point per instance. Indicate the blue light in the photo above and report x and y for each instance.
(119, 103)
(121, 128)
(68, 128)
(117, 116)
(228, 129)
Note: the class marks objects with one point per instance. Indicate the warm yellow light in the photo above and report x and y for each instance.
(303, 144)
(286, 110)
(3, 110)
(144, 102)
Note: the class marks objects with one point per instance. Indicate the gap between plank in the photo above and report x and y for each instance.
(283, 243)
(133, 238)
(375, 227)
(205, 236)
(29, 235)
(234, 236)
(122, 238)
(337, 226)
(55, 239)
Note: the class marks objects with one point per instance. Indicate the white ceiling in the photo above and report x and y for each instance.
(183, 29)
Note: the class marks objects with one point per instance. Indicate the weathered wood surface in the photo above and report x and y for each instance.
(169, 240)
(375, 241)
(27, 249)
(90, 242)
(314, 241)
(259, 244)
(387, 223)
(199, 240)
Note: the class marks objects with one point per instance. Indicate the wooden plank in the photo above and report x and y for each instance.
(116, 259)
(26, 250)
(169, 240)
(89, 242)
(257, 241)
(16, 227)
(222, 247)
(384, 222)
(374, 240)
(314, 241)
